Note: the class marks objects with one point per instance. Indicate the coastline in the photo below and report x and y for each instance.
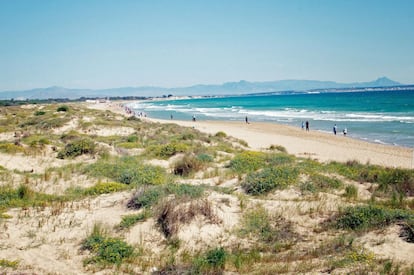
(313, 144)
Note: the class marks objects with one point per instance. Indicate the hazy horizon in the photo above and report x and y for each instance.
(107, 44)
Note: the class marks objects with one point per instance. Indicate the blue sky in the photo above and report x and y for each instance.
(104, 44)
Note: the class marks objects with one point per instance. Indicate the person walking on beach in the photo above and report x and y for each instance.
(345, 131)
(307, 125)
(303, 125)
(171, 116)
(334, 129)
(247, 120)
(194, 118)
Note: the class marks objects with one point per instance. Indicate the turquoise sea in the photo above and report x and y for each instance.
(376, 116)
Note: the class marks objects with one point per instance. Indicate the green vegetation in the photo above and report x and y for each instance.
(62, 108)
(211, 262)
(167, 150)
(274, 232)
(248, 161)
(77, 147)
(130, 220)
(368, 217)
(187, 165)
(11, 148)
(23, 196)
(106, 249)
(128, 170)
(268, 179)
(146, 197)
(39, 113)
(7, 263)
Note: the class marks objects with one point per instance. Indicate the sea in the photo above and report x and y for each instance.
(380, 116)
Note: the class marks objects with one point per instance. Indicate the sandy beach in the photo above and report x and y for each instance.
(313, 144)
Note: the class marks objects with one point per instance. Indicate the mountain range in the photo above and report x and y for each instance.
(228, 88)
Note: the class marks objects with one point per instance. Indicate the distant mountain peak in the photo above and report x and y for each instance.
(228, 88)
(384, 81)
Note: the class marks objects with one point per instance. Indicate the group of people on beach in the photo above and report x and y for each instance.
(335, 129)
(305, 125)
(131, 112)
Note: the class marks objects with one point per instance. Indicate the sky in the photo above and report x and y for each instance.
(105, 44)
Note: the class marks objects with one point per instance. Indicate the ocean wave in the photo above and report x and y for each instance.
(282, 114)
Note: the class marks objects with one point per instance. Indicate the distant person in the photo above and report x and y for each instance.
(247, 120)
(307, 125)
(194, 118)
(334, 129)
(171, 116)
(345, 131)
(303, 125)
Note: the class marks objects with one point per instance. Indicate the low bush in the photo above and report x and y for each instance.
(318, 182)
(205, 158)
(351, 192)
(248, 161)
(187, 165)
(279, 148)
(399, 180)
(39, 113)
(366, 217)
(104, 188)
(167, 150)
(62, 108)
(106, 250)
(23, 196)
(175, 212)
(128, 170)
(8, 263)
(279, 159)
(268, 179)
(11, 148)
(221, 134)
(212, 261)
(128, 221)
(76, 148)
(272, 231)
(145, 197)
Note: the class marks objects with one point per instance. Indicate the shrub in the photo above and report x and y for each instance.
(39, 113)
(63, 108)
(172, 213)
(104, 188)
(212, 262)
(76, 148)
(268, 229)
(128, 170)
(205, 158)
(130, 220)
(185, 190)
(399, 180)
(187, 165)
(369, 217)
(7, 263)
(132, 138)
(167, 150)
(248, 161)
(351, 192)
(268, 179)
(107, 250)
(146, 197)
(221, 134)
(279, 148)
(321, 182)
(11, 148)
(279, 159)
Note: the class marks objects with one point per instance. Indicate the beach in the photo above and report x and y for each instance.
(316, 145)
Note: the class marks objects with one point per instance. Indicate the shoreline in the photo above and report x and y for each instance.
(313, 144)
